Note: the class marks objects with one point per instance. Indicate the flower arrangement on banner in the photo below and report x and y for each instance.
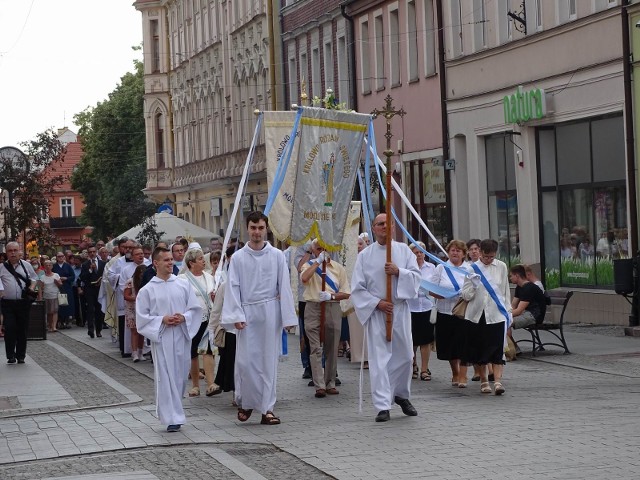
(329, 102)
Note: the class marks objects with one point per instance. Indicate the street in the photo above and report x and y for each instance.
(76, 410)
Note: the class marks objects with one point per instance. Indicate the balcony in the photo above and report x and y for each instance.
(58, 223)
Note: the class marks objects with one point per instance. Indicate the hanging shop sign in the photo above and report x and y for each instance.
(523, 105)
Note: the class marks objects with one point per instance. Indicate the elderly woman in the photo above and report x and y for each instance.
(49, 287)
(422, 330)
(450, 333)
(203, 285)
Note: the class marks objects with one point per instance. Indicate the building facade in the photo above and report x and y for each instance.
(538, 138)
(396, 51)
(209, 64)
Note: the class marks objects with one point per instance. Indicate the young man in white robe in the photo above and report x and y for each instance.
(390, 363)
(169, 314)
(258, 304)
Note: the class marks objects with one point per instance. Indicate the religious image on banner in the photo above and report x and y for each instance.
(278, 127)
(328, 157)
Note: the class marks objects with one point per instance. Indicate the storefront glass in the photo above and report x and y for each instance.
(503, 198)
(584, 212)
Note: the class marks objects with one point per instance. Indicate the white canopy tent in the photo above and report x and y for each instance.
(172, 227)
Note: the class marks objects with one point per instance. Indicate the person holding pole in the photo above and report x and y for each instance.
(390, 359)
(325, 284)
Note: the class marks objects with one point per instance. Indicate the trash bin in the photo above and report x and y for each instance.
(37, 329)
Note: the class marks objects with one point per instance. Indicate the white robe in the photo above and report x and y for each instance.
(389, 362)
(171, 345)
(258, 293)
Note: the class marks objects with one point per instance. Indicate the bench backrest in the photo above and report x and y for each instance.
(560, 297)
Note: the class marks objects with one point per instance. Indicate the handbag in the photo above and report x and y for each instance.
(460, 308)
(63, 301)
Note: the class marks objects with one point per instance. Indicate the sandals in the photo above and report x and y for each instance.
(340, 352)
(213, 390)
(414, 375)
(499, 389)
(454, 384)
(462, 385)
(425, 375)
(269, 419)
(485, 387)
(194, 392)
(475, 378)
(244, 415)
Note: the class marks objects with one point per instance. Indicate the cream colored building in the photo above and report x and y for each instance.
(208, 66)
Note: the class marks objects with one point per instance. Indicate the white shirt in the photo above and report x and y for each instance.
(423, 302)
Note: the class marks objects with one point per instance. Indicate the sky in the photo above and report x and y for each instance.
(58, 57)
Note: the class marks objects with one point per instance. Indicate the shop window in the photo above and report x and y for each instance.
(584, 214)
(503, 198)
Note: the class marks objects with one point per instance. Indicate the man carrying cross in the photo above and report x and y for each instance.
(336, 288)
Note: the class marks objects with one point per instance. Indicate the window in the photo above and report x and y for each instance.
(429, 39)
(365, 66)
(533, 9)
(503, 198)
(572, 9)
(66, 207)
(584, 215)
(504, 22)
(412, 42)
(304, 71)
(479, 25)
(316, 81)
(394, 47)
(159, 139)
(343, 71)
(328, 64)
(379, 47)
(456, 27)
(155, 46)
(293, 81)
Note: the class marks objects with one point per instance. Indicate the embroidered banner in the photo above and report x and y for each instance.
(328, 156)
(277, 131)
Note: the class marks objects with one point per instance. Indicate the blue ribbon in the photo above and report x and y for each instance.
(365, 208)
(283, 165)
(327, 278)
(492, 293)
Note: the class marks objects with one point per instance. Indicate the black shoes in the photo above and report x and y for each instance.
(99, 335)
(338, 382)
(307, 373)
(11, 360)
(406, 406)
(173, 428)
(90, 334)
(383, 416)
(20, 360)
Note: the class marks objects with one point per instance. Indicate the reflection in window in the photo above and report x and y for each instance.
(586, 229)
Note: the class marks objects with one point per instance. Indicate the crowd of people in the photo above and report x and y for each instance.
(173, 306)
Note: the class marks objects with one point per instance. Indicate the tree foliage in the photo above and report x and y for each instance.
(149, 234)
(31, 184)
(112, 172)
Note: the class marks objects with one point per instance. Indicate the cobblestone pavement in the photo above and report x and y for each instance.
(563, 417)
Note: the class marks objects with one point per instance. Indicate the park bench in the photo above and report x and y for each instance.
(553, 328)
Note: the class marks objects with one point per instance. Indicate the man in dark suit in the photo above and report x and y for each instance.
(91, 276)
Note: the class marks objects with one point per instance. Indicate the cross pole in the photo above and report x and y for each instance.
(388, 113)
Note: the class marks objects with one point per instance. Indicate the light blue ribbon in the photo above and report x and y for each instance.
(492, 293)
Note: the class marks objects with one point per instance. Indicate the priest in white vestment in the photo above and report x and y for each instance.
(258, 304)
(169, 314)
(390, 363)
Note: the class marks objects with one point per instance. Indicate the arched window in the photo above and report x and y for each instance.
(159, 140)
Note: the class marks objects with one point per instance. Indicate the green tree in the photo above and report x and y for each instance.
(149, 234)
(112, 172)
(31, 182)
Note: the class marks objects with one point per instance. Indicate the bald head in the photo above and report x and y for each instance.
(380, 228)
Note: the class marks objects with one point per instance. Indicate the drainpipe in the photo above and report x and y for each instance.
(443, 112)
(629, 131)
(352, 56)
(272, 56)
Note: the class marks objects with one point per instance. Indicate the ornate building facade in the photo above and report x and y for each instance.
(208, 64)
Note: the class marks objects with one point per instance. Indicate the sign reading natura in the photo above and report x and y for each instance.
(523, 106)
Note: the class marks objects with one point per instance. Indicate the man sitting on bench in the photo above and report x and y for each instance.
(529, 304)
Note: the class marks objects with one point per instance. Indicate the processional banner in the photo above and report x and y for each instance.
(326, 168)
(277, 131)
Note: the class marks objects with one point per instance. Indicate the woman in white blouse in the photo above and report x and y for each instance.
(450, 339)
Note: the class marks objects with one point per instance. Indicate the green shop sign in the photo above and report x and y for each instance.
(524, 106)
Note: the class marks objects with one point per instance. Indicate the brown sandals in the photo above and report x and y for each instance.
(243, 415)
(270, 419)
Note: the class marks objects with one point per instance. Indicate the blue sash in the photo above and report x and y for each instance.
(328, 279)
(492, 293)
(455, 284)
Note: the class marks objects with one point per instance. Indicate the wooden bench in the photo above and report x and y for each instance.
(555, 327)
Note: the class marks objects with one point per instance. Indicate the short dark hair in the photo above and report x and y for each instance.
(230, 251)
(473, 241)
(256, 216)
(122, 240)
(488, 245)
(519, 270)
(158, 251)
